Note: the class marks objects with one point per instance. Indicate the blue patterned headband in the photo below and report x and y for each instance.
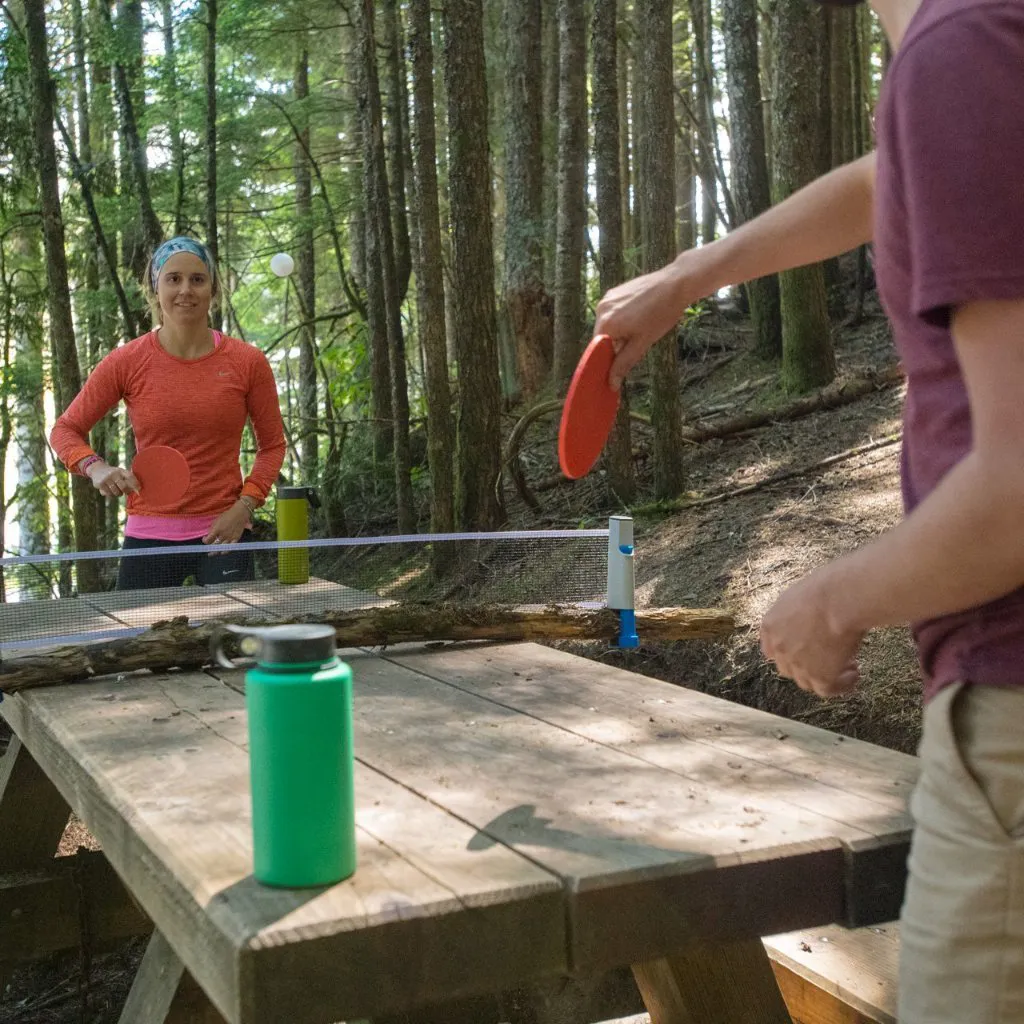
(179, 244)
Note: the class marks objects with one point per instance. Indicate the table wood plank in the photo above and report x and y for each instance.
(753, 753)
(39, 620)
(644, 877)
(145, 607)
(157, 768)
(286, 600)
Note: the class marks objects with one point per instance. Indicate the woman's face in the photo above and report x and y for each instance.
(185, 289)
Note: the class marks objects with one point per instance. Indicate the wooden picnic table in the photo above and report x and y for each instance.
(522, 814)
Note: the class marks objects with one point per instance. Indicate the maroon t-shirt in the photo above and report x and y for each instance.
(949, 230)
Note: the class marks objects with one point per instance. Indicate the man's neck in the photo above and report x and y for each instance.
(186, 342)
(895, 16)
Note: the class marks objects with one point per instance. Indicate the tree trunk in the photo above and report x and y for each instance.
(686, 167)
(700, 16)
(655, 154)
(843, 59)
(751, 185)
(807, 356)
(626, 134)
(174, 116)
(527, 303)
(380, 254)
(469, 173)
(140, 232)
(619, 457)
(210, 68)
(306, 266)
(430, 279)
(21, 255)
(67, 375)
(397, 120)
(549, 132)
(572, 175)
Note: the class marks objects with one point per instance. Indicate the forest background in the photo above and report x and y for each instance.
(458, 182)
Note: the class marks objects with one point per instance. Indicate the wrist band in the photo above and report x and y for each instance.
(84, 465)
(248, 502)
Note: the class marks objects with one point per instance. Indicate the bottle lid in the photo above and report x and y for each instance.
(299, 644)
(286, 493)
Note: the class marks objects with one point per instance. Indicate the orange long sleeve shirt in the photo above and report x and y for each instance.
(198, 406)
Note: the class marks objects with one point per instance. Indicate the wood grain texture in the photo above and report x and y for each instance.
(727, 983)
(750, 752)
(182, 642)
(159, 771)
(848, 975)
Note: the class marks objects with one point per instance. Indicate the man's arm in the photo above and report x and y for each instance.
(830, 216)
(963, 546)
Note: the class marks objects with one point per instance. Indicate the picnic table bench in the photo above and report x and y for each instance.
(523, 814)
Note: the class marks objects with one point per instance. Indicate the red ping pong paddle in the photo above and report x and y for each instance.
(589, 410)
(163, 474)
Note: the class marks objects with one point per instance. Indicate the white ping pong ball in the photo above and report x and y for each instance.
(282, 264)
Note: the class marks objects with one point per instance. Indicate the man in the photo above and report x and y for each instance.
(943, 200)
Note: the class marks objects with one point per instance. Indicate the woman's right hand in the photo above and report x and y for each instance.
(112, 481)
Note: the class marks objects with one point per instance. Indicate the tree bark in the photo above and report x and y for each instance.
(655, 156)
(396, 146)
(176, 644)
(67, 374)
(527, 303)
(700, 16)
(380, 256)
(430, 276)
(618, 459)
(808, 360)
(572, 172)
(174, 117)
(469, 175)
(210, 69)
(751, 185)
(549, 132)
(306, 266)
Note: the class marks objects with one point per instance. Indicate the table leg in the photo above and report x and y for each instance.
(723, 983)
(33, 816)
(165, 993)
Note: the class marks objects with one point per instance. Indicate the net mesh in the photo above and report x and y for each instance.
(73, 599)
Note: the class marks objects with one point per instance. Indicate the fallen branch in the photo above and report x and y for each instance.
(789, 474)
(176, 644)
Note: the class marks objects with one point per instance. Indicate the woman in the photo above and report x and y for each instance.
(192, 389)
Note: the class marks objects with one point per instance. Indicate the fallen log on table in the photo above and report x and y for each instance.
(176, 644)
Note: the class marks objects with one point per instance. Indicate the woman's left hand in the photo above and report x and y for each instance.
(229, 526)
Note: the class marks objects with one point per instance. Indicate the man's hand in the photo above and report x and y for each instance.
(636, 314)
(112, 481)
(229, 526)
(807, 645)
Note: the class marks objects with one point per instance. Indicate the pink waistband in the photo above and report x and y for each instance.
(168, 528)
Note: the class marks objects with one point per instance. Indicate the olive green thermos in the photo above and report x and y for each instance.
(293, 504)
(299, 702)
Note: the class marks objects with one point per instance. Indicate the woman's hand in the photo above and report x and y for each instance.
(639, 312)
(230, 525)
(112, 481)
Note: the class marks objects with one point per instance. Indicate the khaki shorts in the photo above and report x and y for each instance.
(962, 927)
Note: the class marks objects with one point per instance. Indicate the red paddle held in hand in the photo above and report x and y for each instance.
(163, 474)
(589, 410)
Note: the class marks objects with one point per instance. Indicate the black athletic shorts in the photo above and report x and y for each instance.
(167, 570)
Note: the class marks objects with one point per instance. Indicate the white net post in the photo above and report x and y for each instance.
(621, 581)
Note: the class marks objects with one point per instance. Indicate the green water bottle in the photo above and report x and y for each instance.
(299, 701)
(293, 505)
